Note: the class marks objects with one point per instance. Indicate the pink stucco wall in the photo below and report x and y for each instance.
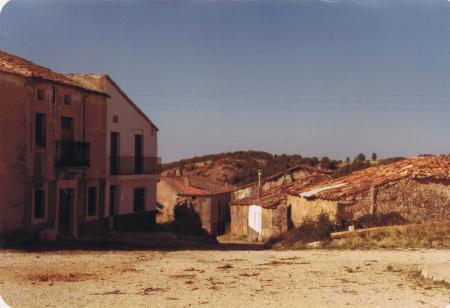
(129, 122)
(24, 165)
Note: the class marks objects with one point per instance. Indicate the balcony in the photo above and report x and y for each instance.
(72, 154)
(128, 165)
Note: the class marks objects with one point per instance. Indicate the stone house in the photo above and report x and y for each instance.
(52, 170)
(208, 202)
(132, 164)
(417, 189)
(268, 214)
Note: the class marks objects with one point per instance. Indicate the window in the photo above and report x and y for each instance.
(115, 119)
(41, 94)
(92, 201)
(67, 99)
(39, 203)
(40, 130)
(139, 199)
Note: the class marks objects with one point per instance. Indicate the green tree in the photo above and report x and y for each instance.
(325, 163)
(374, 156)
(360, 158)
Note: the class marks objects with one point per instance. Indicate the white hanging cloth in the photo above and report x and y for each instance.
(255, 218)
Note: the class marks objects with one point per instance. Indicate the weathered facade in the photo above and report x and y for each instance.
(52, 171)
(132, 164)
(269, 211)
(417, 189)
(204, 203)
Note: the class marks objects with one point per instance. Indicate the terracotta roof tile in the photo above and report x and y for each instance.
(274, 196)
(13, 64)
(183, 189)
(434, 167)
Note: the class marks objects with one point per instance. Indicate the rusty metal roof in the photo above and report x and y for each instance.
(13, 64)
(434, 167)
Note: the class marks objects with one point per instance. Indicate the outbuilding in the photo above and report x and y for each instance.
(415, 189)
(263, 213)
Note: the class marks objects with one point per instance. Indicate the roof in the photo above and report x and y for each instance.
(207, 184)
(433, 167)
(183, 189)
(274, 196)
(94, 80)
(287, 171)
(12, 64)
(196, 185)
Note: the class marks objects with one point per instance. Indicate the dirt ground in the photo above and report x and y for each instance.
(192, 278)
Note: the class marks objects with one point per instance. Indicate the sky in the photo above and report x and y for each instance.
(311, 77)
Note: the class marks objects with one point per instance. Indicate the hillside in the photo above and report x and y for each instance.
(240, 167)
(237, 168)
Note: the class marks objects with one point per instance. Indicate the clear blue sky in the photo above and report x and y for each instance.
(313, 77)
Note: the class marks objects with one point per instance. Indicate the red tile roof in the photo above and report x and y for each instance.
(197, 185)
(182, 189)
(274, 196)
(13, 64)
(282, 173)
(434, 167)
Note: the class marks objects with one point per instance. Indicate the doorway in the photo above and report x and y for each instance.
(67, 129)
(113, 200)
(138, 154)
(114, 152)
(65, 212)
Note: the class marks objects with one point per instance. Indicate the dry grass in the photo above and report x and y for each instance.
(414, 236)
(430, 235)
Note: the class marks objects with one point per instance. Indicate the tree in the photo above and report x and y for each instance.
(374, 156)
(325, 163)
(347, 160)
(360, 157)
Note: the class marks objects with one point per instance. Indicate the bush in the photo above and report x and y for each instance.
(310, 231)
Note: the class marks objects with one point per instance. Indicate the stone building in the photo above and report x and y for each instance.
(52, 170)
(268, 214)
(206, 204)
(417, 189)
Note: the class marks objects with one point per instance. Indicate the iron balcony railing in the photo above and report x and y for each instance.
(72, 153)
(128, 165)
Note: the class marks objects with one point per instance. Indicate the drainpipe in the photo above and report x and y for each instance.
(84, 116)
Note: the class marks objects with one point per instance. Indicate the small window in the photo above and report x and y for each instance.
(41, 94)
(67, 99)
(115, 119)
(39, 203)
(139, 199)
(40, 129)
(92, 201)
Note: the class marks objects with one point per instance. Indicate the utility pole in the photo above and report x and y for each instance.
(259, 182)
